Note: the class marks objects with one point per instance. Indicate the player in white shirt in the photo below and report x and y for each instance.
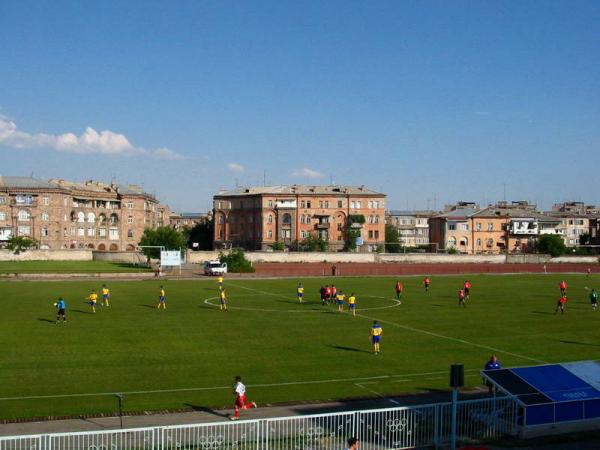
(240, 398)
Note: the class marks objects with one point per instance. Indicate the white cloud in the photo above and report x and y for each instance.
(235, 167)
(105, 142)
(305, 172)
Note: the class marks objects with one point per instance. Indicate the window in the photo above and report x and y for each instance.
(91, 217)
(370, 204)
(80, 232)
(80, 217)
(270, 234)
(302, 218)
(129, 205)
(130, 219)
(90, 232)
(270, 203)
(44, 232)
(327, 204)
(463, 226)
(23, 199)
(24, 215)
(308, 204)
(452, 226)
(304, 234)
(340, 237)
(45, 217)
(270, 218)
(370, 219)
(320, 203)
(340, 203)
(221, 219)
(251, 219)
(464, 241)
(2, 216)
(2, 200)
(287, 219)
(478, 226)
(376, 219)
(24, 230)
(358, 205)
(102, 232)
(353, 204)
(451, 242)
(46, 201)
(308, 219)
(130, 233)
(376, 234)
(370, 234)
(302, 204)
(113, 233)
(286, 234)
(339, 226)
(478, 242)
(490, 226)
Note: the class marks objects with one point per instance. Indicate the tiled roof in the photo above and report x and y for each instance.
(92, 186)
(25, 183)
(460, 213)
(300, 190)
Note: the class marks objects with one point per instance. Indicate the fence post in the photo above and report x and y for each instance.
(436, 426)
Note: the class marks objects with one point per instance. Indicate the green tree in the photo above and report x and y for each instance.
(392, 239)
(353, 230)
(202, 234)
(585, 239)
(21, 243)
(278, 246)
(236, 261)
(166, 237)
(314, 243)
(551, 244)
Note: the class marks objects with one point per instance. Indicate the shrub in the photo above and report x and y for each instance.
(278, 246)
(21, 243)
(236, 261)
(313, 244)
(551, 244)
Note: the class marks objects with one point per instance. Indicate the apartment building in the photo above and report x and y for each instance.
(188, 220)
(258, 217)
(576, 220)
(62, 214)
(412, 226)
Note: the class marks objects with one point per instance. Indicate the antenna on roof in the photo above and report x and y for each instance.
(264, 177)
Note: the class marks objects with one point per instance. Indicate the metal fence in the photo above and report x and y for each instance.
(390, 428)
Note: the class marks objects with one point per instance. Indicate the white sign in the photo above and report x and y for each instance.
(170, 258)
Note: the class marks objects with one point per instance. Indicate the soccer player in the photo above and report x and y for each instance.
(376, 332)
(93, 300)
(399, 289)
(467, 289)
(589, 271)
(61, 308)
(461, 298)
(162, 299)
(561, 304)
(333, 292)
(328, 293)
(220, 281)
(223, 300)
(426, 283)
(563, 287)
(340, 297)
(594, 299)
(492, 364)
(300, 291)
(352, 303)
(239, 391)
(105, 295)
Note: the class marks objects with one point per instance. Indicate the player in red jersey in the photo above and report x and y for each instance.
(333, 296)
(467, 289)
(563, 287)
(240, 398)
(399, 289)
(426, 283)
(560, 305)
(461, 298)
(327, 294)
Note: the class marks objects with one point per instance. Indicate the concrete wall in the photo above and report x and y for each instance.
(47, 255)
(435, 258)
(120, 257)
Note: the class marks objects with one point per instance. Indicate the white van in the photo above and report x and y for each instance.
(215, 268)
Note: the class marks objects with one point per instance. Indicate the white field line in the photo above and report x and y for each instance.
(391, 400)
(430, 333)
(213, 388)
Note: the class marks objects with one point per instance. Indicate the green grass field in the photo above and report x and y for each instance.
(188, 355)
(68, 267)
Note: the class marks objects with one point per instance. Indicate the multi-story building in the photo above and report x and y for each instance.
(576, 220)
(188, 220)
(412, 226)
(501, 228)
(258, 217)
(62, 214)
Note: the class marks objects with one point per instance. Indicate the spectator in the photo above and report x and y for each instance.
(353, 444)
(492, 364)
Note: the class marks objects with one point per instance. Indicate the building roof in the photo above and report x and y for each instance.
(400, 212)
(24, 183)
(511, 212)
(190, 214)
(297, 189)
(458, 214)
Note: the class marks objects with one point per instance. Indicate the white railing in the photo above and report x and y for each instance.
(391, 428)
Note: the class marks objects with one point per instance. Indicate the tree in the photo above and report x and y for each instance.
(314, 243)
(202, 234)
(551, 244)
(278, 246)
(585, 239)
(353, 232)
(165, 237)
(392, 239)
(236, 261)
(21, 243)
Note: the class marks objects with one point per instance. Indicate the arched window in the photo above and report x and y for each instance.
(270, 218)
(113, 247)
(451, 242)
(24, 215)
(221, 219)
(91, 217)
(45, 217)
(302, 218)
(308, 219)
(376, 219)
(114, 219)
(464, 241)
(287, 219)
(101, 247)
(478, 242)
(102, 218)
(490, 242)
(129, 233)
(80, 216)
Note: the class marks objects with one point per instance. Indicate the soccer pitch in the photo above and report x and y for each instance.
(187, 355)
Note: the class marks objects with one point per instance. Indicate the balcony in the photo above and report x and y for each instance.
(322, 225)
(24, 204)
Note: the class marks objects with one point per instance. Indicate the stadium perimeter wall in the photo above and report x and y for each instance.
(47, 255)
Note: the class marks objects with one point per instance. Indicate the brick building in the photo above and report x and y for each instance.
(62, 214)
(188, 219)
(258, 217)
(412, 226)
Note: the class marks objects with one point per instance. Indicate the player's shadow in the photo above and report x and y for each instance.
(543, 312)
(147, 306)
(348, 349)
(206, 410)
(46, 320)
(579, 343)
(80, 311)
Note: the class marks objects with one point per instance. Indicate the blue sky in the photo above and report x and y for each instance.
(419, 99)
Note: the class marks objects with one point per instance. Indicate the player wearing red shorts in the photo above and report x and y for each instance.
(560, 305)
(399, 289)
(461, 298)
(240, 399)
(426, 283)
(467, 289)
(563, 287)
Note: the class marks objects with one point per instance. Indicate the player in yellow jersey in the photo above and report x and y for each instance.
(375, 336)
(352, 303)
(223, 300)
(340, 297)
(220, 281)
(93, 299)
(162, 299)
(105, 295)
(300, 291)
